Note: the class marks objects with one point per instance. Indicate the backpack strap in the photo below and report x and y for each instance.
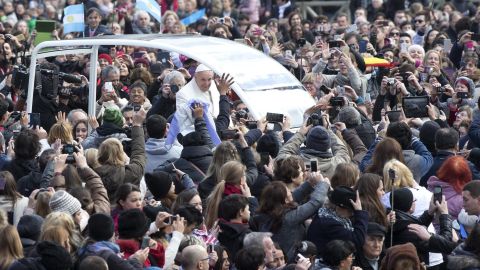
(198, 169)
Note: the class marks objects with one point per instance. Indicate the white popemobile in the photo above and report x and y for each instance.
(262, 83)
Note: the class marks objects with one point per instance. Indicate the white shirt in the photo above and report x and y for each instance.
(189, 92)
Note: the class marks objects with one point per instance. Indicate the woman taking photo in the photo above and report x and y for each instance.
(281, 213)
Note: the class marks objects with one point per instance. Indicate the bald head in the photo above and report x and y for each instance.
(204, 79)
(194, 257)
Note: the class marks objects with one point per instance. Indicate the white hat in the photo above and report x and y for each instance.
(202, 67)
(62, 201)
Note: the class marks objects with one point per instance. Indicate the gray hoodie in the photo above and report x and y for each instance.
(157, 153)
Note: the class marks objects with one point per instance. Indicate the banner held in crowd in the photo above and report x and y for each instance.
(74, 20)
(194, 17)
(150, 6)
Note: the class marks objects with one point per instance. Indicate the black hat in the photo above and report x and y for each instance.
(159, 184)
(403, 199)
(30, 227)
(341, 196)
(132, 223)
(54, 256)
(100, 227)
(268, 143)
(376, 229)
(193, 139)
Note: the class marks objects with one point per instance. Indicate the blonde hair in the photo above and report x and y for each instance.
(65, 221)
(111, 152)
(91, 154)
(62, 131)
(42, 206)
(427, 54)
(225, 151)
(404, 177)
(231, 173)
(10, 246)
(56, 234)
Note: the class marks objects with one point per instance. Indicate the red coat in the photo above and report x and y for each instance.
(165, 6)
(130, 246)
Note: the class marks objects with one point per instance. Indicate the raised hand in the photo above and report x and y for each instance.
(224, 83)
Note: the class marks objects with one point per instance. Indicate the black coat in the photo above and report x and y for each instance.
(231, 236)
(20, 167)
(101, 29)
(401, 234)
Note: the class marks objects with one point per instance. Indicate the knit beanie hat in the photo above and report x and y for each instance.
(113, 115)
(403, 199)
(269, 143)
(106, 57)
(467, 82)
(30, 226)
(159, 184)
(132, 223)
(427, 135)
(350, 116)
(62, 201)
(397, 252)
(141, 61)
(100, 227)
(341, 196)
(54, 256)
(318, 139)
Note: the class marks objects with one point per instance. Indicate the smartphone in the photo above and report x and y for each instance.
(68, 149)
(274, 127)
(462, 95)
(313, 165)
(275, 117)
(145, 242)
(136, 108)
(325, 89)
(404, 48)
(288, 54)
(447, 45)
(299, 257)
(393, 116)
(137, 55)
(15, 133)
(163, 57)
(351, 28)
(415, 107)
(34, 119)
(437, 194)
(264, 158)
(334, 44)
(251, 124)
(368, 98)
(476, 37)
(337, 37)
(108, 87)
(229, 134)
(362, 45)
(171, 219)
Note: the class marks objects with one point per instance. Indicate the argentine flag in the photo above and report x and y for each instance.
(74, 20)
(150, 6)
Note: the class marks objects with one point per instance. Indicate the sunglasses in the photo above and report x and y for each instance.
(419, 21)
(395, 34)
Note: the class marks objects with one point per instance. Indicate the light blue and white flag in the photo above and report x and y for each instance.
(150, 6)
(74, 19)
(194, 17)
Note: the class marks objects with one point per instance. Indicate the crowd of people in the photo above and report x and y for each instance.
(173, 172)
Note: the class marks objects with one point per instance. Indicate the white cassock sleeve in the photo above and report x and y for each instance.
(184, 114)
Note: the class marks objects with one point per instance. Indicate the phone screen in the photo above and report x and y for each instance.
(275, 117)
(34, 119)
(362, 46)
(313, 165)
(437, 194)
(108, 87)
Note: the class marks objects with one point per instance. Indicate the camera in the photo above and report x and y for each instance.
(315, 120)
(390, 81)
(301, 42)
(241, 114)
(69, 149)
(137, 108)
(171, 219)
(229, 134)
(337, 101)
(174, 88)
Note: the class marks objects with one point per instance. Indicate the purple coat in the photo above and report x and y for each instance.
(454, 199)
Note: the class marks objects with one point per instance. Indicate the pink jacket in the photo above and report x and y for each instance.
(454, 199)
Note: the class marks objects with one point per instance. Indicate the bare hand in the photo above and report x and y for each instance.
(179, 224)
(80, 160)
(357, 204)
(141, 255)
(197, 111)
(420, 231)
(92, 120)
(139, 117)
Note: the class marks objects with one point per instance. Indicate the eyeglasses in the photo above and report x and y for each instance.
(205, 259)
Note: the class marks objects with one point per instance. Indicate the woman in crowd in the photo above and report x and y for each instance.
(370, 189)
(10, 246)
(65, 221)
(386, 150)
(346, 174)
(10, 200)
(284, 215)
(128, 196)
(80, 131)
(289, 170)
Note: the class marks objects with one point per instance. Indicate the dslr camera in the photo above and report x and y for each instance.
(241, 114)
(315, 120)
